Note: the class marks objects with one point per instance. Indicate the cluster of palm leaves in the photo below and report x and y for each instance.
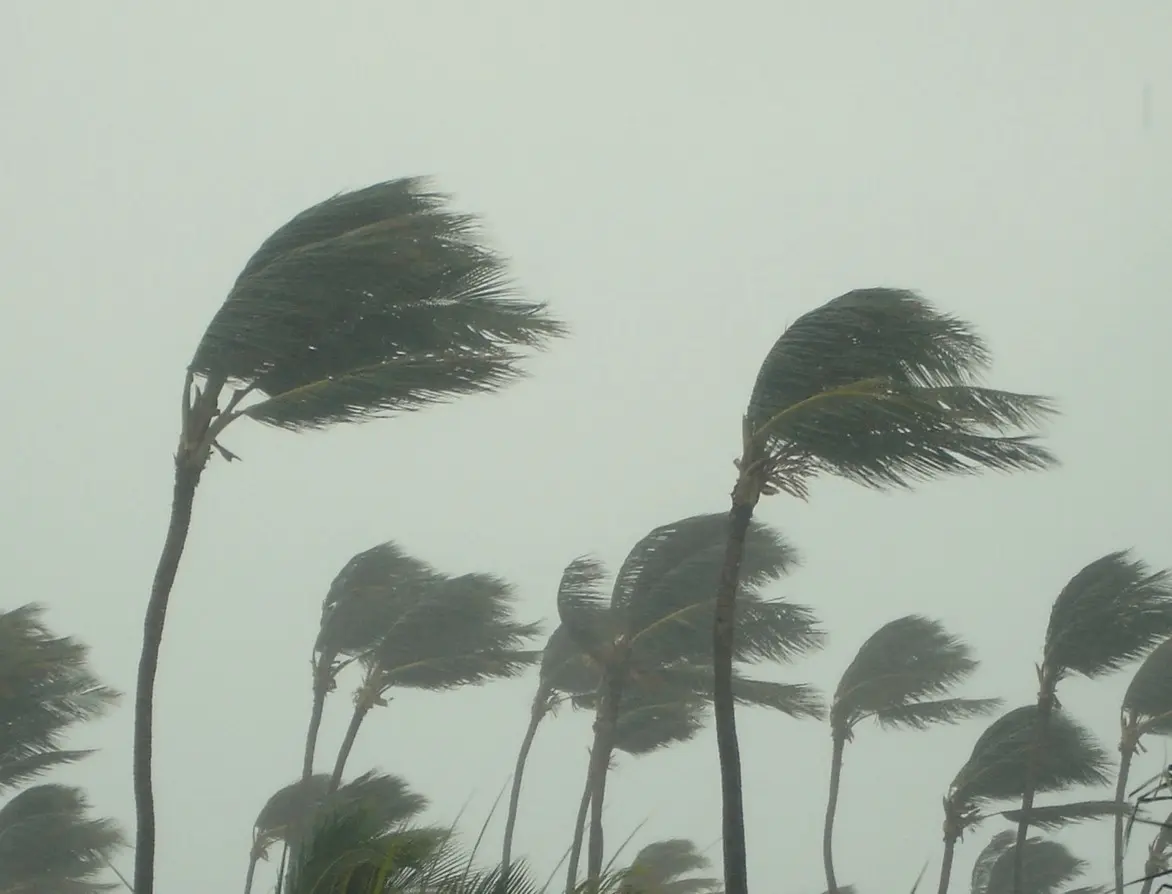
(383, 300)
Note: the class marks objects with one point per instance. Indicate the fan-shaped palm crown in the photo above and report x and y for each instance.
(46, 686)
(668, 867)
(1047, 866)
(49, 842)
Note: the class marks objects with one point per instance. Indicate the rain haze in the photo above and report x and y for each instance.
(679, 182)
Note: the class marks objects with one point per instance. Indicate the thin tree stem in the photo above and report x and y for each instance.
(946, 863)
(579, 832)
(536, 715)
(836, 754)
(1045, 706)
(248, 876)
(744, 499)
(1126, 753)
(320, 690)
(356, 719)
(605, 723)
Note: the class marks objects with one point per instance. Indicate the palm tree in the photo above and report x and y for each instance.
(46, 686)
(998, 768)
(49, 843)
(357, 610)
(668, 867)
(1108, 615)
(387, 803)
(659, 615)
(1048, 866)
(1146, 710)
(901, 677)
(371, 302)
(444, 633)
(878, 387)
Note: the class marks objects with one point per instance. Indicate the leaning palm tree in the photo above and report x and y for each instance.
(49, 843)
(1048, 866)
(1146, 710)
(1106, 616)
(387, 802)
(372, 302)
(901, 678)
(878, 387)
(444, 632)
(1000, 764)
(358, 609)
(660, 614)
(668, 867)
(46, 686)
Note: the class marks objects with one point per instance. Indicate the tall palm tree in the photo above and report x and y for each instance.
(46, 686)
(668, 867)
(50, 844)
(1048, 866)
(660, 613)
(444, 633)
(358, 609)
(998, 768)
(880, 388)
(1106, 616)
(901, 677)
(376, 301)
(1146, 710)
(387, 803)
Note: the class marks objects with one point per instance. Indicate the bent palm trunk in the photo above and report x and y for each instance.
(1045, 706)
(536, 715)
(360, 711)
(320, 690)
(600, 752)
(579, 834)
(1127, 752)
(836, 755)
(946, 864)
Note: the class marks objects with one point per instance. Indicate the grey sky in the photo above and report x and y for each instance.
(680, 181)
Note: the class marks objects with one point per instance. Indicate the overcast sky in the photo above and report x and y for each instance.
(679, 181)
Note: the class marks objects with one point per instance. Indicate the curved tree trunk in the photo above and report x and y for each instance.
(837, 749)
(248, 876)
(1045, 706)
(321, 685)
(536, 715)
(605, 723)
(1126, 753)
(360, 711)
(744, 500)
(579, 834)
(946, 864)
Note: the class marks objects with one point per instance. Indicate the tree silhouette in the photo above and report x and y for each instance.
(1047, 866)
(371, 302)
(878, 387)
(1108, 615)
(668, 867)
(901, 677)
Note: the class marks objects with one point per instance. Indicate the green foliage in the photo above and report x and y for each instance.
(668, 867)
(1046, 868)
(1148, 701)
(1109, 614)
(880, 388)
(49, 842)
(46, 687)
(373, 301)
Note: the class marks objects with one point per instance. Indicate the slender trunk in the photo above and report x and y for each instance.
(744, 499)
(1045, 706)
(188, 467)
(946, 863)
(321, 683)
(536, 715)
(1126, 753)
(839, 746)
(248, 876)
(605, 723)
(360, 711)
(579, 833)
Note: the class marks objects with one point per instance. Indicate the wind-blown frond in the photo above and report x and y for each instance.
(645, 724)
(1057, 816)
(668, 867)
(1047, 866)
(1108, 615)
(1148, 700)
(47, 687)
(879, 387)
(374, 301)
(583, 608)
(922, 715)
(1000, 762)
(565, 668)
(49, 842)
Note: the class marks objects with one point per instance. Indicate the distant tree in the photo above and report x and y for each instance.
(1000, 764)
(1108, 615)
(901, 678)
(878, 387)
(372, 302)
(1047, 867)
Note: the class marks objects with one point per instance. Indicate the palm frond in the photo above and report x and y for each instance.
(879, 387)
(1149, 694)
(1000, 763)
(567, 669)
(668, 867)
(921, 715)
(378, 300)
(1057, 816)
(288, 811)
(1047, 866)
(904, 662)
(648, 721)
(583, 609)
(1109, 614)
(798, 700)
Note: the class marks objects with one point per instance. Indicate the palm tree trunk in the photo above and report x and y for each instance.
(946, 863)
(248, 876)
(604, 737)
(1045, 706)
(536, 715)
(320, 690)
(839, 746)
(744, 500)
(360, 711)
(1126, 753)
(579, 833)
